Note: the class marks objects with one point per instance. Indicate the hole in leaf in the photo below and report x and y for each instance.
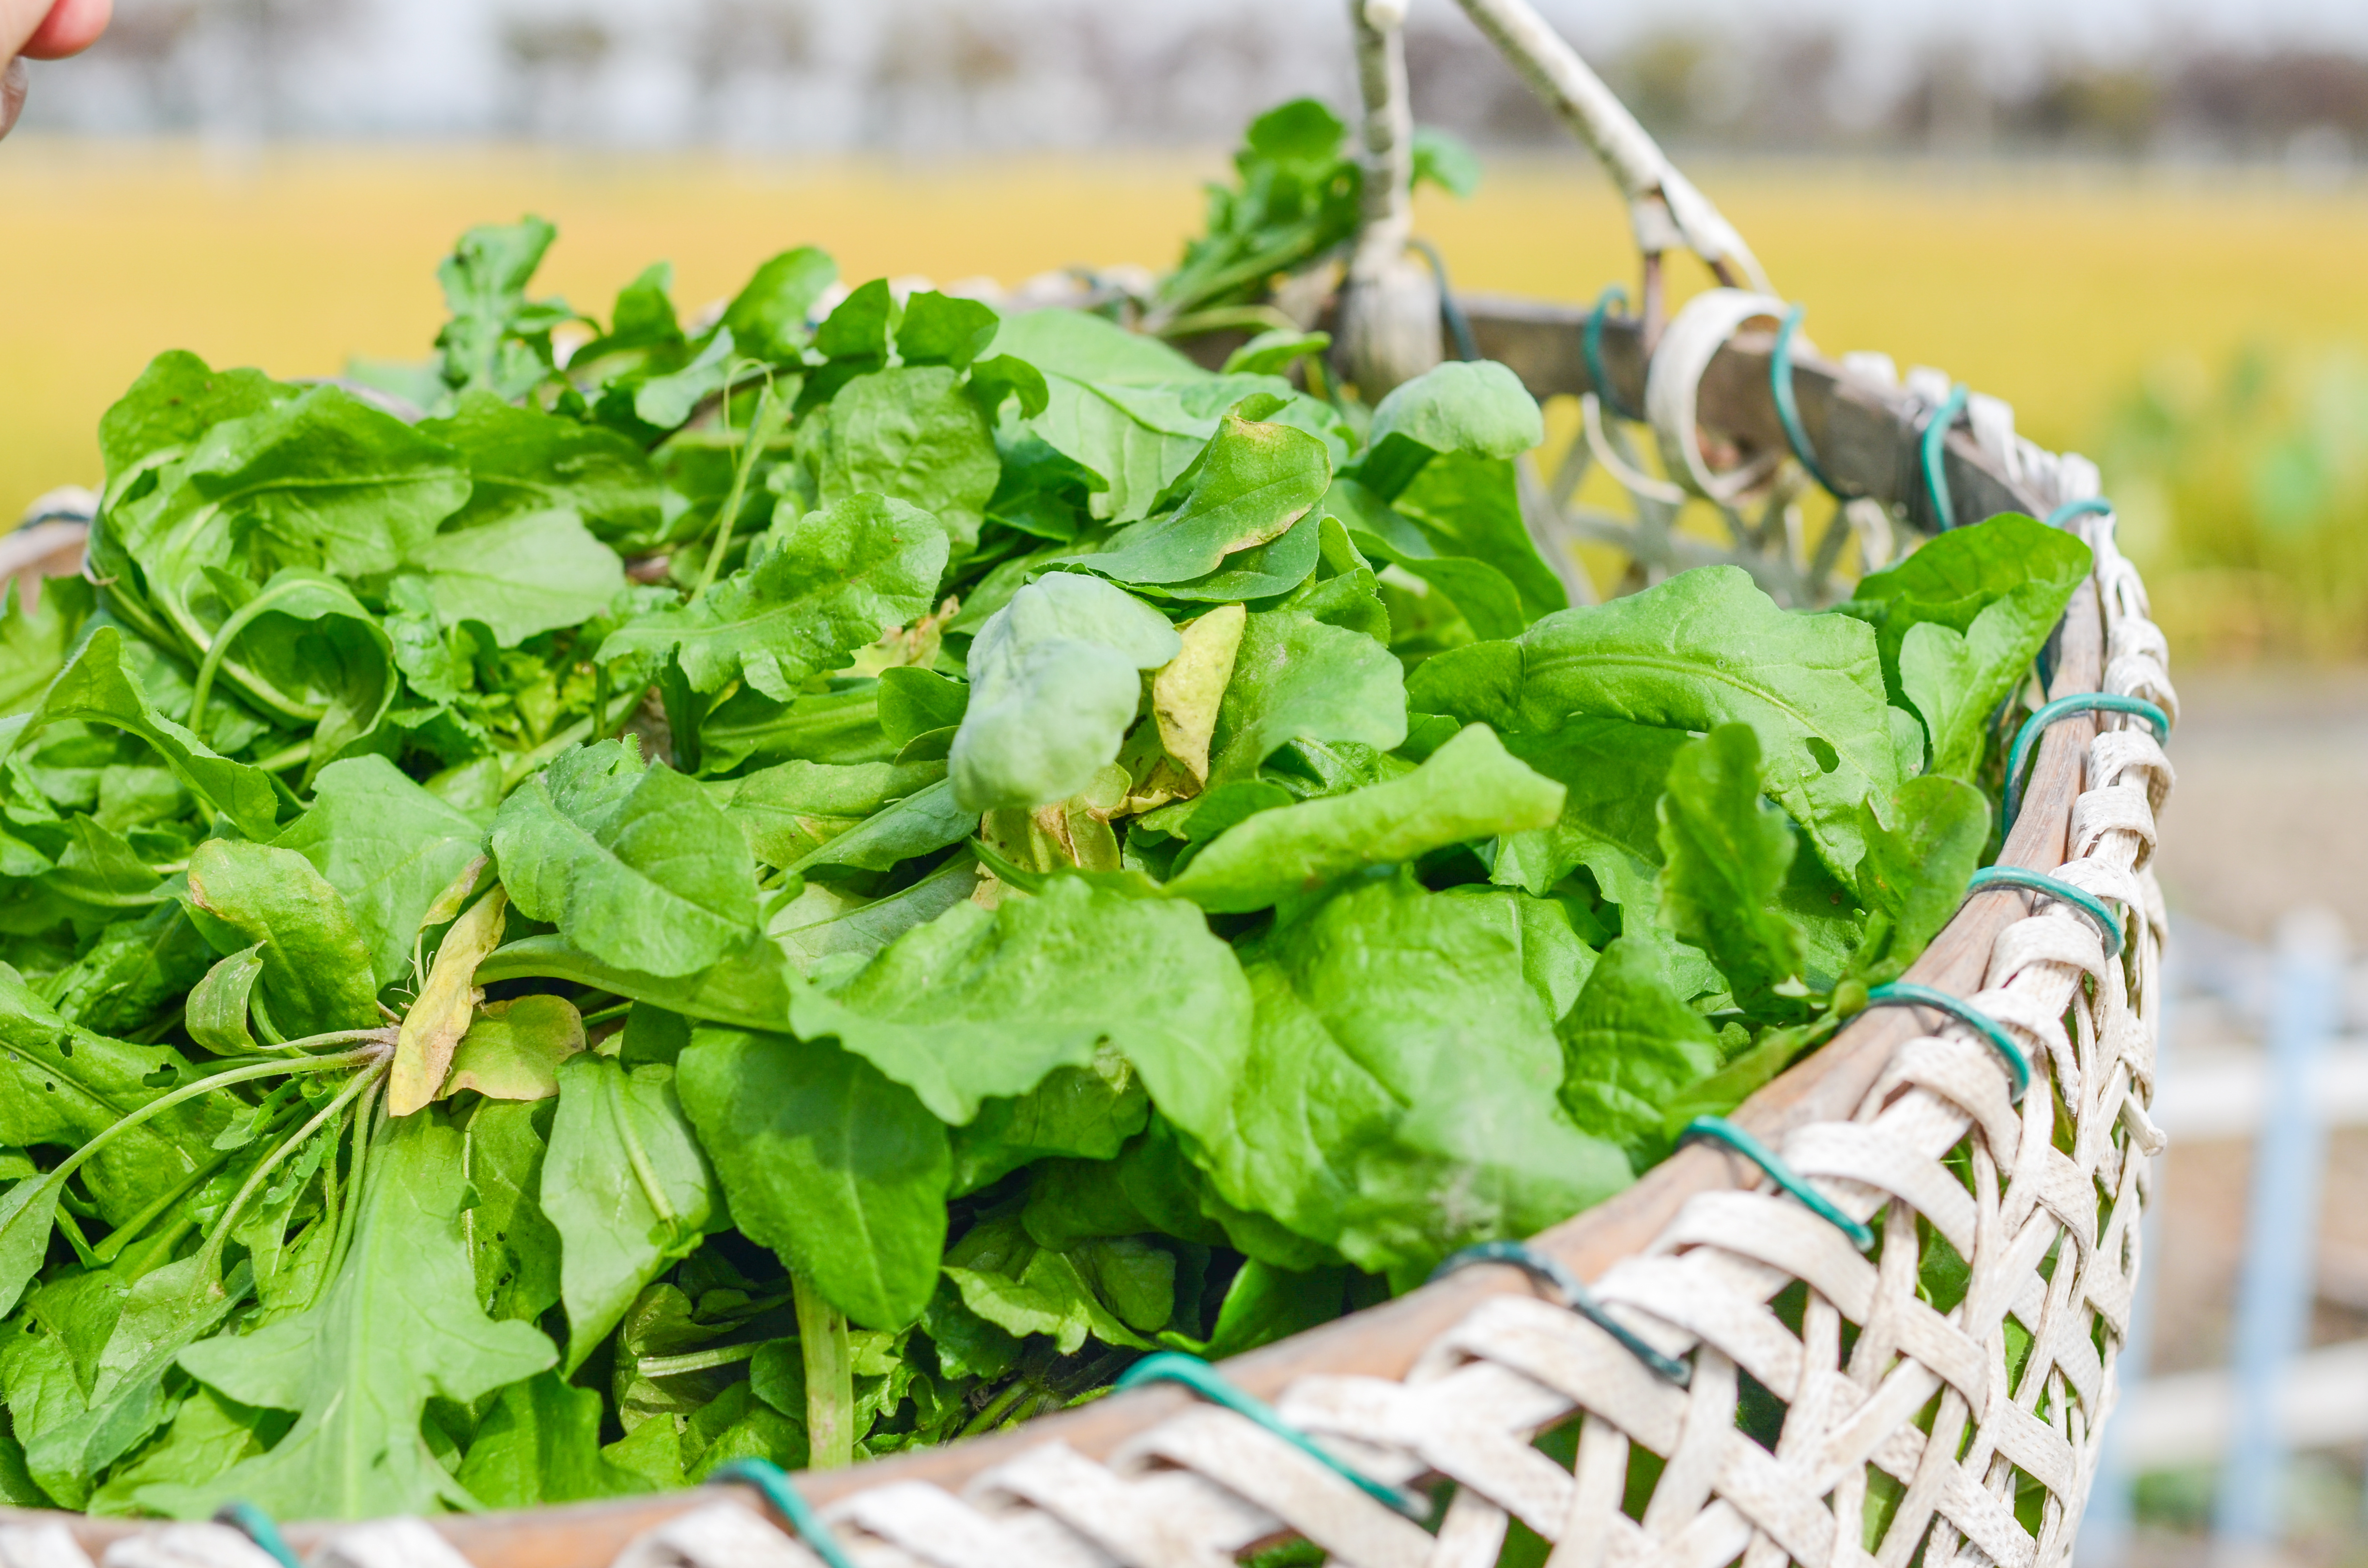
(1827, 758)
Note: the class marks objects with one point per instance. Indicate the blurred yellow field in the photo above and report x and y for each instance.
(2053, 286)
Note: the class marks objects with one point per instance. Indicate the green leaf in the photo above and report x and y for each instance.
(749, 987)
(512, 1050)
(1959, 622)
(306, 649)
(521, 574)
(1727, 852)
(665, 400)
(926, 821)
(1295, 677)
(767, 317)
(167, 1312)
(1088, 1112)
(498, 340)
(789, 810)
(513, 1246)
(1612, 772)
(34, 642)
(1630, 1045)
(97, 687)
(1476, 407)
(1469, 788)
(858, 326)
(323, 482)
(627, 1186)
(215, 1013)
(840, 1171)
(944, 329)
(1396, 1101)
(208, 1435)
(915, 703)
(975, 1005)
(1470, 506)
(522, 460)
(1913, 875)
(1025, 1290)
(316, 965)
(913, 435)
(1444, 161)
(826, 923)
(1957, 576)
(400, 1324)
(835, 579)
(1265, 1303)
(388, 846)
(1054, 686)
(541, 1443)
(1707, 648)
(175, 401)
(634, 864)
(1254, 481)
(841, 725)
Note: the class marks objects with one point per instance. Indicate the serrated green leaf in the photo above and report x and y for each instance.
(834, 581)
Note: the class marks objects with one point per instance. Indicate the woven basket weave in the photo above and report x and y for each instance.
(1971, 1434)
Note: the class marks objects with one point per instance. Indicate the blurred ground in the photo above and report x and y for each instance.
(2272, 772)
(2056, 286)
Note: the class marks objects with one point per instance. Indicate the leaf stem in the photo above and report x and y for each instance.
(653, 1189)
(830, 1379)
(759, 437)
(112, 1246)
(220, 1235)
(697, 1361)
(163, 1103)
(350, 1211)
(225, 635)
(999, 1406)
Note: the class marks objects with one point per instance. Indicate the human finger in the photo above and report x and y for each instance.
(71, 27)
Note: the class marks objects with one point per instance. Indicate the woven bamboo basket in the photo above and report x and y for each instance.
(1971, 1435)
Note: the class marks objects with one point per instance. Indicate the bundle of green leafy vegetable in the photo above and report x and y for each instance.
(799, 889)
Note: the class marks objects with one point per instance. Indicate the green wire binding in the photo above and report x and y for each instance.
(787, 1501)
(1788, 410)
(2064, 708)
(1175, 1367)
(1718, 1130)
(1591, 341)
(2108, 924)
(256, 1525)
(1550, 1272)
(1905, 994)
(2094, 506)
(1936, 480)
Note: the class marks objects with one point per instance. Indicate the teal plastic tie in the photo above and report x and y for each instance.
(2107, 924)
(1175, 1367)
(2027, 738)
(1718, 1130)
(790, 1502)
(1591, 342)
(2093, 507)
(1550, 1272)
(256, 1525)
(1907, 993)
(1936, 480)
(1788, 409)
